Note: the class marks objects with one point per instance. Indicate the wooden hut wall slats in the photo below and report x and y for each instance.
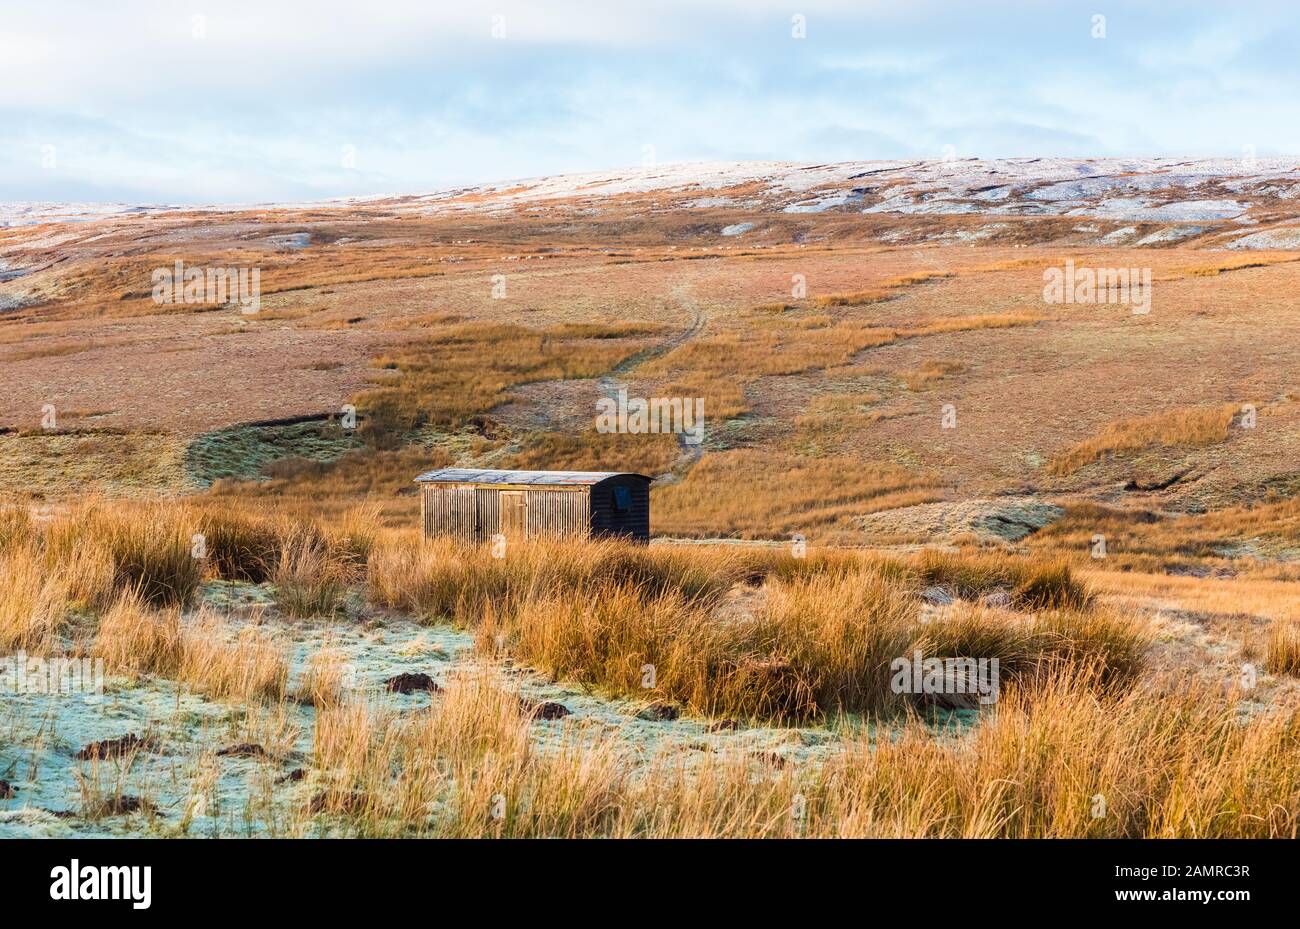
(475, 505)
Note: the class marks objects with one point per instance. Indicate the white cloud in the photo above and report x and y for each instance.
(259, 104)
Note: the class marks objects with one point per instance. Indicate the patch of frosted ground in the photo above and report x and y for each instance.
(1286, 237)
(40, 735)
(737, 229)
(821, 204)
(982, 179)
(970, 235)
(1170, 234)
(34, 213)
(925, 208)
(1139, 208)
(1043, 181)
(289, 240)
(705, 203)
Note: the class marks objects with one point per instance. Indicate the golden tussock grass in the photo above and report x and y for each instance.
(724, 396)
(1185, 427)
(784, 494)
(931, 372)
(886, 291)
(780, 351)
(818, 640)
(818, 644)
(855, 298)
(1031, 583)
(204, 652)
(310, 579)
(113, 547)
(33, 603)
(247, 664)
(1239, 264)
(1161, 760)
(971, 322)
(798, 657)
(444, 579)
(650, 453)
(1282, 655)
(465, 768)
(326, 682)
(134, 639)
(449, 377)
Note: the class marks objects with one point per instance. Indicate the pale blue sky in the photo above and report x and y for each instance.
(138, 100)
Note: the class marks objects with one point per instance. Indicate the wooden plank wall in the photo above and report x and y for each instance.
(473, 513)
(450, 510)
(557, 512)
(487, 512)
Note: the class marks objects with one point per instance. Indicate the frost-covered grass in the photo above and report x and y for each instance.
(604, 689)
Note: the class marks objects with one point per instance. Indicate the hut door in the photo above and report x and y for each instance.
(514, 513)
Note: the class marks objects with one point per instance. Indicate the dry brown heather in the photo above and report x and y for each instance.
(1123, 674)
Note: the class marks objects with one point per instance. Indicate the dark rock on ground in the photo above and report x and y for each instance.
(243, 750)
(998, 598)
(937, 596)
(659, 712)
(7, 790)
(116, 748)
(545, 709)
(410, 682)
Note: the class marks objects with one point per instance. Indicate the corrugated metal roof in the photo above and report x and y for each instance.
(485, 476)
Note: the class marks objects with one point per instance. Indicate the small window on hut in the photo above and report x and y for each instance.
(622, 499)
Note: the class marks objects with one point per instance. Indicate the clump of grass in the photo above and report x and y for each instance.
(309, 579)
(1031, 583)
(134, 639)
(327, 681)
(240, 547)
(1282, 654)
(147, 548)
(465, 768)
(856, 298)
(252, 546)
(16, 528)
(33, 603)
(1186, 427)
(249, 664)
(1032, 650)
(930, 372)
(821, 641)
(442, 578)
(970, 323)
(1161, 760)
